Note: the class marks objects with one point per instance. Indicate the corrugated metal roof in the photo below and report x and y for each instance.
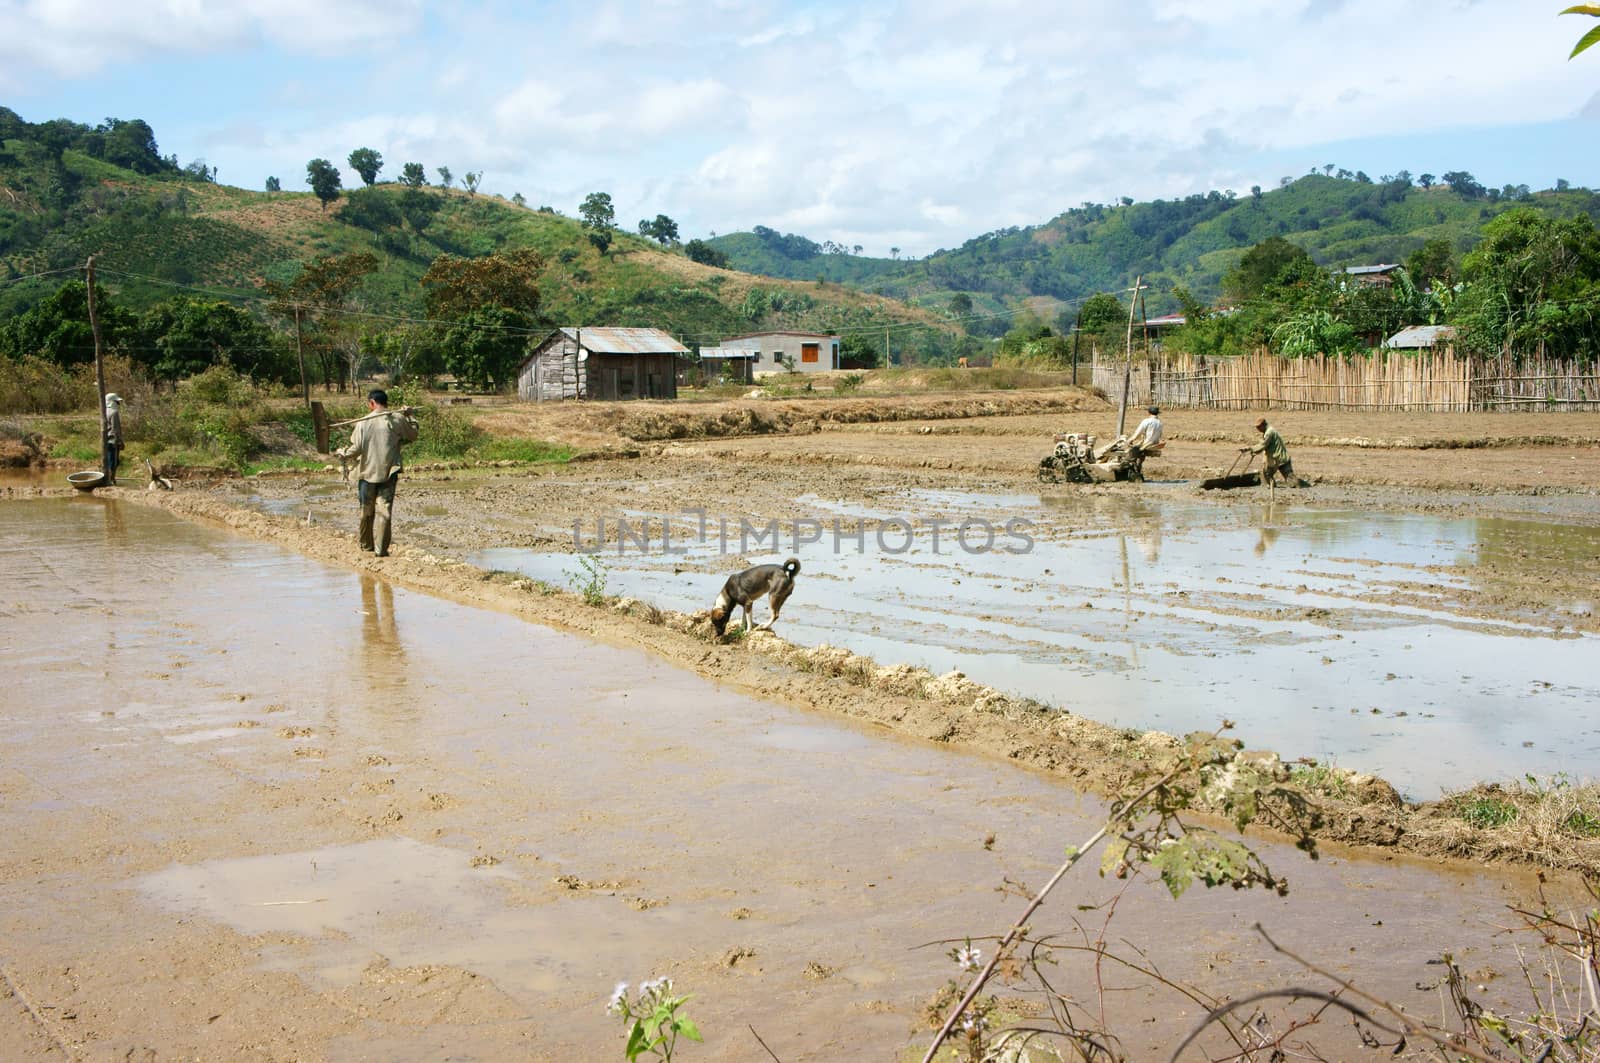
(1167, 321)
(1382, 267)
(1422, 336)
(626, 340)
(729, 352)
(780, 332)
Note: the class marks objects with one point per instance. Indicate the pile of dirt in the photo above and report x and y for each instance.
(21, 450)
(623, 423)
(760, 417)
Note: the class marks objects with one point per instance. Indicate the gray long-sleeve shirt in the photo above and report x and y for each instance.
(376, 443)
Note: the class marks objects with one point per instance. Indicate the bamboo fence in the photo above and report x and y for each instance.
(1440, 381)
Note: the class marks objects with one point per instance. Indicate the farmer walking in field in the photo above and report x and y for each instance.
(111, 446)
(375, 445)
(1277, 455)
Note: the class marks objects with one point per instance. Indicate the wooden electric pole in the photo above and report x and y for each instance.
(99, 375)
(1127, 362)
(300, 353)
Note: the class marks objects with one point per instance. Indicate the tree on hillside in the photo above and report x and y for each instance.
(412, 175)
(663, 230)
(1260, 266)
(894, 253)
(274, 185)
(324, 179)
(1425, 180)
(444, 176)
(367, 163)
(418, 208)
(598, 217)
(597, 211)
(519, 199)
(700, 251)
(960, 304)
(129, 143)
(470, 182)
(1464, 184)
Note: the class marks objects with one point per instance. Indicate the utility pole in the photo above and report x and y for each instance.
(300, 352)
(99, 375)
(1127, 363)
(1075, 330)
(888, 358)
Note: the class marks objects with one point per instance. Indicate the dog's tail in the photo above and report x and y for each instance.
(792, 566)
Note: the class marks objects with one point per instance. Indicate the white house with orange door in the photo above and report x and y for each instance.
(783, 352)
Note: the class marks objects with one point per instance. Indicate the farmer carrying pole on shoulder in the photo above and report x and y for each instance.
(375, 445)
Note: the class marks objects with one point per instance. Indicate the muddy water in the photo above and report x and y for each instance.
(1336, 634)
(381, 824)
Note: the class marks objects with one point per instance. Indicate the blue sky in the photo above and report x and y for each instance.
(914, 125)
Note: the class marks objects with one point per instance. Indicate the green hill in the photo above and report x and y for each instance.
(1192, 241)
(68, 191)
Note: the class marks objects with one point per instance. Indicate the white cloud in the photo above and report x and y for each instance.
(918, 124)
(72, 38)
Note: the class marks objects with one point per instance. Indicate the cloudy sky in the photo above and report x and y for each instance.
(914, 125)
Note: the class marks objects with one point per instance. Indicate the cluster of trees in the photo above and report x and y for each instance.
(129, 143)
(327, 184)
(1530, 284)
(171, 340)
(481, 313)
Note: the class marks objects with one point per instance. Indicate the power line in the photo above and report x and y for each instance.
(36, 276)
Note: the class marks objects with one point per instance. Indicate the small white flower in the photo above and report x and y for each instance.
(618, 996)
(969, 958)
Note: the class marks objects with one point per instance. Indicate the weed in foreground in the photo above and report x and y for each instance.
(1148, 829)
(655, 1019)
(1484, 812)
(589, 579)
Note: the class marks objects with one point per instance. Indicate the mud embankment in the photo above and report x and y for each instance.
(1353, 809)
(622, 423)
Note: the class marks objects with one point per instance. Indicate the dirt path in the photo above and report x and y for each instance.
(263, 807)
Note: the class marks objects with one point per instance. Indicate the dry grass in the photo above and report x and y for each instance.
(1555, 821)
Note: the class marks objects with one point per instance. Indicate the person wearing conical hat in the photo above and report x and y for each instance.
(111, 446)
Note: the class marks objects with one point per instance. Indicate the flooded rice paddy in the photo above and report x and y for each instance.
(1341, 634)
(386, 825)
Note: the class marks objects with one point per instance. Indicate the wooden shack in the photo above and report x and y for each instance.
(602, 363)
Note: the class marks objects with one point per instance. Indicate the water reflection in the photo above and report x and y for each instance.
(1351, 634)
(1267, 535)
(116, 527)
(383, 655)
